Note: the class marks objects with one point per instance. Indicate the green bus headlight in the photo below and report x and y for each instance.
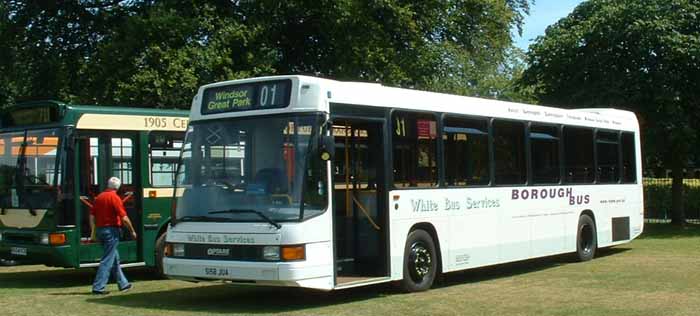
(44, 239)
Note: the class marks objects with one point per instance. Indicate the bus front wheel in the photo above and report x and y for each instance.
(586, 240)
(159, 255)
(420, 262)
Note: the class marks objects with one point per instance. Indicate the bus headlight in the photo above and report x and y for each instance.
(271, 253)
(178, 250)
(44, 239)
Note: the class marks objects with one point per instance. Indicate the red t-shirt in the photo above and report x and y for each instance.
(108, 209)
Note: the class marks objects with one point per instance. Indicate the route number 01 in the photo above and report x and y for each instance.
(268, 93)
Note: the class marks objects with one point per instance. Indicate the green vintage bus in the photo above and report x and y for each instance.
(56, 157)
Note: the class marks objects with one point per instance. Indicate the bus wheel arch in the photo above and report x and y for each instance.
(589, 213)
(586, 236)
(422, 258)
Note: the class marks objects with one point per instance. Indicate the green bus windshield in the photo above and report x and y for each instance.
(29, 168)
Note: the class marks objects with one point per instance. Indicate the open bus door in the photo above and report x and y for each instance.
(359, 195)
(101, 156)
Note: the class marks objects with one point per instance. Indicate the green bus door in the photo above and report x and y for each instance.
(102, 155)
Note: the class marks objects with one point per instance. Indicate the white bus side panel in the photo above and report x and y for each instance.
(484, 226)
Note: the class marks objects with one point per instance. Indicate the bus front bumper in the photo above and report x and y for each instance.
(52, 256)
(293, 274)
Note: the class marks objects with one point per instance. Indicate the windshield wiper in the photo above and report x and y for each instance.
(20, 175)
(263, 216)
(202, 219)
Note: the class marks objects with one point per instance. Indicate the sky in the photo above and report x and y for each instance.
(542, 14)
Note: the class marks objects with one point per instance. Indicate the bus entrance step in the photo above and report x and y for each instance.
(346, 265)
(123, 265)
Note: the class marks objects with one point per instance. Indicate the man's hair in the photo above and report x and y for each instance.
(114, 183)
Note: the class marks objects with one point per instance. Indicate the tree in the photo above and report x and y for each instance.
(156, 53)
(642, 56)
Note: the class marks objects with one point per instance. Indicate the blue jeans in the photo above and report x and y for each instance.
(109, 264)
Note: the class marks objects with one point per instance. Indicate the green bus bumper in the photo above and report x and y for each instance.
(59, 256)
(34, 253)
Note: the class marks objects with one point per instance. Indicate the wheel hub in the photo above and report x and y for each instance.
(586, 242)
(421, 261)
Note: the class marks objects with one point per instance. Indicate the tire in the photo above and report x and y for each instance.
(586, 238)
(159, 255)
(420, 262)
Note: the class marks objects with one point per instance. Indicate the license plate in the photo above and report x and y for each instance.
(219, 272)
(18, 251)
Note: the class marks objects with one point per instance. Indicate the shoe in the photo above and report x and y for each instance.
(126, 288)
(100, 292)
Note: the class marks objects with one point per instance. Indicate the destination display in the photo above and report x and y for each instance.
(247, 97)
(34, 115)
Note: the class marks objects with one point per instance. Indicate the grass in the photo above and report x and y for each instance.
(658, 274)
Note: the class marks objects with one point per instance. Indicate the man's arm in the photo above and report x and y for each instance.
(121, 212)
(130, 226)
(92, 227)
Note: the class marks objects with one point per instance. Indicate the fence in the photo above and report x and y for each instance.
(657, 200)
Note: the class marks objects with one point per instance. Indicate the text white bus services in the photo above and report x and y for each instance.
(308, 182)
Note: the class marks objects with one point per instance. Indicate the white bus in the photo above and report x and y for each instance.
(341, 184)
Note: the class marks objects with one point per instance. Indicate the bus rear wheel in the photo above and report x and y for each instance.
(586, 240)
(420, 262)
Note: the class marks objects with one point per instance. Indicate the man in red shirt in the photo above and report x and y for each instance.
(107, 215)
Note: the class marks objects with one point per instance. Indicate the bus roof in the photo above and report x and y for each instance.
(49, 113)
(314, 94)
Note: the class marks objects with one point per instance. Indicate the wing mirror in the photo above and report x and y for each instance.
(327, 148)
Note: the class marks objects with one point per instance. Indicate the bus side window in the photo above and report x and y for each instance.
(123, 159)
(414, 137)
(629, 165)
(578, 155)
(466, 151)
(509, 152)
(607, 150)
(544, 149)
(164, 152)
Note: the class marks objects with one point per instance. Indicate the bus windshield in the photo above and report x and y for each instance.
(29, 168)
(263, 169)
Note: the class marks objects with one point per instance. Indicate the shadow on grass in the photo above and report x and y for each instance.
(227, 299)
(63, 278)
(604, 252)
(661, 231)
(517, 268)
